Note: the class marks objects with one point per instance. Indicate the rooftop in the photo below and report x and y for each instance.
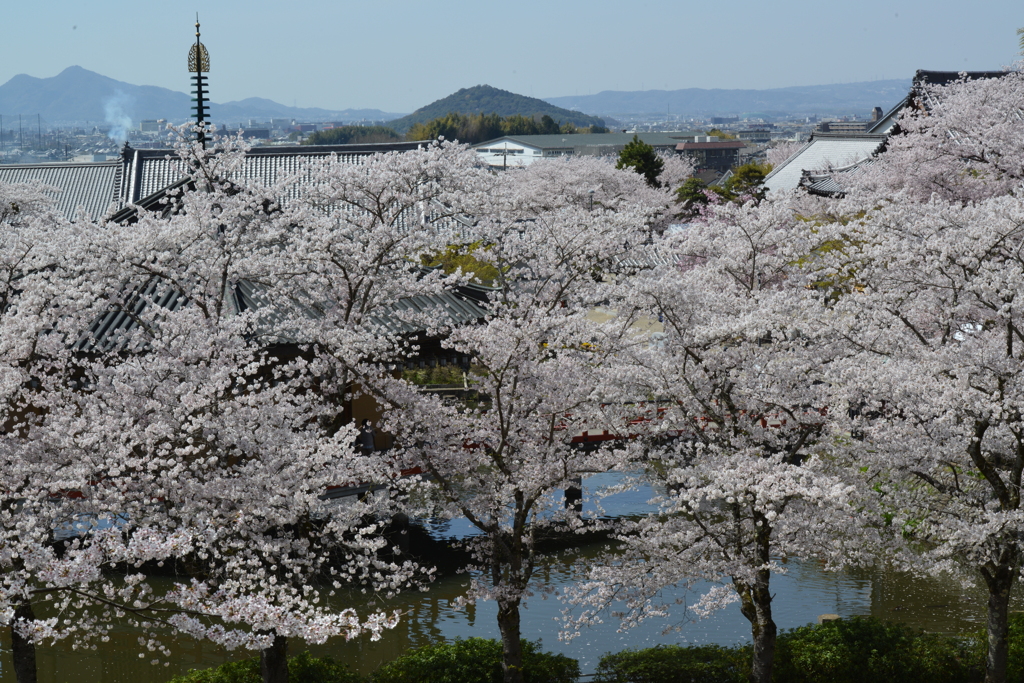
(824, 151)
(105, 188)
(720, 144)
(576, 140)
(95, 187)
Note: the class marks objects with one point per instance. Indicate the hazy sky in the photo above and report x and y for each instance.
(398, 55)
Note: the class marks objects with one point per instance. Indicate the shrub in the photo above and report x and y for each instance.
(302, 668)
(676, 664)
(1015, 668)
(866, 650)
(474, 660)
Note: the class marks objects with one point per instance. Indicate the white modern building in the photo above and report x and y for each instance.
(522, 150)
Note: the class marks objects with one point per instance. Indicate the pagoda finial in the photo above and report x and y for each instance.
(199, 66)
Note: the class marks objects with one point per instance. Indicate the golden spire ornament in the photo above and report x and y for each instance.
(198, 65)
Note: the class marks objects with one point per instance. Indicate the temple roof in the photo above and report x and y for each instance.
(94, 187)
(113, 330)
(104, 188)
(147, 171)
(824, 151)
(832, 183)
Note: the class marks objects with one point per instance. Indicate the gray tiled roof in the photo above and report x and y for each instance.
(834, 183)
(824, 151)
(449, 307)
(152, 170)
(113, 329)
(104, 187)
(923, 76)
(94, 187)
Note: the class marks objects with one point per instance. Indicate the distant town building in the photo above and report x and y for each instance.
(709, 152)
(756, 135)
(718, 120)
(522, 150)
(844, 126)
(255, 133)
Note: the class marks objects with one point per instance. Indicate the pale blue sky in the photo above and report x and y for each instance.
(398, 55)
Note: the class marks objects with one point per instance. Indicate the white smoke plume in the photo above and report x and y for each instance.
(115, 108)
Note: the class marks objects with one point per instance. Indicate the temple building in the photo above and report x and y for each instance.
(820, 165)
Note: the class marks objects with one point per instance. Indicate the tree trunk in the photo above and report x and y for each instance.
(574, 495)
(511, 645)
(24, 651)
(999, 582)
(274, 661)
(756, 606)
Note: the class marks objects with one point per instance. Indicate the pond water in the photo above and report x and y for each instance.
(801, 595)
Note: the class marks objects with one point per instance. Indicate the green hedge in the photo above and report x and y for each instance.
(474, 660)
(1015, 669)
(857, 650)
(675, 663)
(866, 650)
(301, 669)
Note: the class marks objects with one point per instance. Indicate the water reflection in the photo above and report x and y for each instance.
(939, 605)
(801, 595)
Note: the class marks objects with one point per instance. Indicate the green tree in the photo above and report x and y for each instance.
(691, 196)
(476, 128)
(481, 127)
(471, 258)
(747, 181)
(719, 133)
(548, 126)
(642, 158)
(448, 126)
(517, 124)
(345, 135)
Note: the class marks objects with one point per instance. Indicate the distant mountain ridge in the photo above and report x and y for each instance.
(77, 94)
(485, 99)
(80, 95)
(844, 98)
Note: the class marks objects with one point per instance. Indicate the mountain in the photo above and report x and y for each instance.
(483, 99)
(80, 95)
(845, 98)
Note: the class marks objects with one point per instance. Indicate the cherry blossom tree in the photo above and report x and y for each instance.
(736, 454)
(782, 150)
(925, 278)
(931, 308)
(537, 368)
(45, 299)
(186, 427)
(360, 232)
(960, 142)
